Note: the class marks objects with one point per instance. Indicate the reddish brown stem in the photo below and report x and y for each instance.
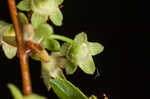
(22, 56)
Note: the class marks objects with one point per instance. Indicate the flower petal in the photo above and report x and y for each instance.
(59, 1)
(24, 5)
(44, 31)
(38, 19)
(95, 48)
(87, 65)
(10, 51)
(81, 37)
(56, 17)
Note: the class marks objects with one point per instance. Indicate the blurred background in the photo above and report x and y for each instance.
(100, 19)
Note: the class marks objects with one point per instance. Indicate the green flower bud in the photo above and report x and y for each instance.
(78, 53)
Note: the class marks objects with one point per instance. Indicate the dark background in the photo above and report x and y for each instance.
(100, 19)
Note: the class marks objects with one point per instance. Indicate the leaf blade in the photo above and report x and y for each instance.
(15, 91)
(34, 96)
(66, 90)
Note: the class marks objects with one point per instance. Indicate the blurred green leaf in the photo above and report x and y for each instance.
(81, 37)
(52, 69)
(15, 91)
(44, 30)
(38, 19)
(10, 51)
(70, 68)
(18, 95)
(56, 17)
(34, 96)
(51, 44)
(66, 90)
(24, 5)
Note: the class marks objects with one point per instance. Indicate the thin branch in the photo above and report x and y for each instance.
(22, 56)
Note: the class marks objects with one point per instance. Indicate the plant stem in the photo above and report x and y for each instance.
(22, 56)
(62, 38)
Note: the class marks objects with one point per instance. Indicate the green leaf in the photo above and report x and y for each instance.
(38, 19)
(87, 65)
(33, 96)
(56, 17)
(24, 5)
(15, 91)
(18, 95)
(65, 49)
(70, 68)
(44, 31)
(23, 19)
(92, 97)
(81, 37)
(95, 48)
(10, 51)
(52, 69)
(59, 1)
(51, 44)
(66, 90)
